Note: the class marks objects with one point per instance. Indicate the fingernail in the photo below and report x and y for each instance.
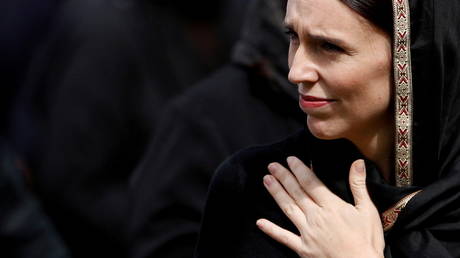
(360, 166)
(268, 180)
(272, 166)
(260, 223)
(290, 159)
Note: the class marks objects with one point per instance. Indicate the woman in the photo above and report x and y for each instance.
(370, 91)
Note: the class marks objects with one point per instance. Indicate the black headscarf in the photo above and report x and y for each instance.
(429, 224)
(263, 43)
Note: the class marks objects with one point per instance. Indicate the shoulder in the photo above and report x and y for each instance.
(246, 168)
(237, 195)
(250, 164)
(224, 92)
(294, 144)
(224, 85)
(226, 77)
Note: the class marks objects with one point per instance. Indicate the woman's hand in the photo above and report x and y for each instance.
(328, 226)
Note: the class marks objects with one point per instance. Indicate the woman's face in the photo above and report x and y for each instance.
(341, 64)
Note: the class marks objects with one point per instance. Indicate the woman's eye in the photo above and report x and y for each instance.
(330, 47)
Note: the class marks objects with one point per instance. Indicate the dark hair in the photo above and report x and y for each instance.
(378, 12)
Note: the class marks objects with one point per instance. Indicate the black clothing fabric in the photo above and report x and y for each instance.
(430, 223)
(247, 102)
(238, 198)
(226, 112)
(25, 230)
(23, 25)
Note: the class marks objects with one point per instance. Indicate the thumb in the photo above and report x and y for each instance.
(357, 179)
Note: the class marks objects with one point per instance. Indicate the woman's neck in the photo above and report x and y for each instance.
(378, 147)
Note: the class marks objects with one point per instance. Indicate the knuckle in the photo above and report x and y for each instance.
(357, 183)
(305, 179)
(289, 210)
(283, 176)
(284, 239)
(296, 163)
(298, 193)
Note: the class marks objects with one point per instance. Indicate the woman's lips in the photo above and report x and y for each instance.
(313, 102)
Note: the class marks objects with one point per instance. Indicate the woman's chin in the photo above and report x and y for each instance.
(322, 136)
(321, 129)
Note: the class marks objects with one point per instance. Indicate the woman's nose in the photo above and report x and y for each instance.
(301, 67)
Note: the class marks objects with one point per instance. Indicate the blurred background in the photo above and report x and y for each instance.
(115, 113)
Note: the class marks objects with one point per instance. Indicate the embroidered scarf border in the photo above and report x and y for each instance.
(390, 216)
(403, 108)
(403, 90)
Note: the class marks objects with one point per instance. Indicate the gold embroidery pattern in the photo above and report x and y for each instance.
(390, 216)
(403, 99)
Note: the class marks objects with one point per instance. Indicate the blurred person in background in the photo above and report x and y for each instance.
(247, 102)
(25, 230)
(91, 98)
(23, 25)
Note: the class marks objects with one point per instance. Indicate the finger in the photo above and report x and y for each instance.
(310, 183)
(357, 180)
(285, 202)
(292, 186)
(283, 236)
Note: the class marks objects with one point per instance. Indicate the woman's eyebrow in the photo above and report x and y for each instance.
(317, 37)
(322, 38)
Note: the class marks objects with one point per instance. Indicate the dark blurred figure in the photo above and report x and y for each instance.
(91, 101)
(25, 231)
(23, 25)
(249, 101)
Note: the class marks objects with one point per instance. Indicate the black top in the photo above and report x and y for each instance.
(237, 199)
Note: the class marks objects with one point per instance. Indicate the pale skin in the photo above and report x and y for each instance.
(328, 226)
(336, 55)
